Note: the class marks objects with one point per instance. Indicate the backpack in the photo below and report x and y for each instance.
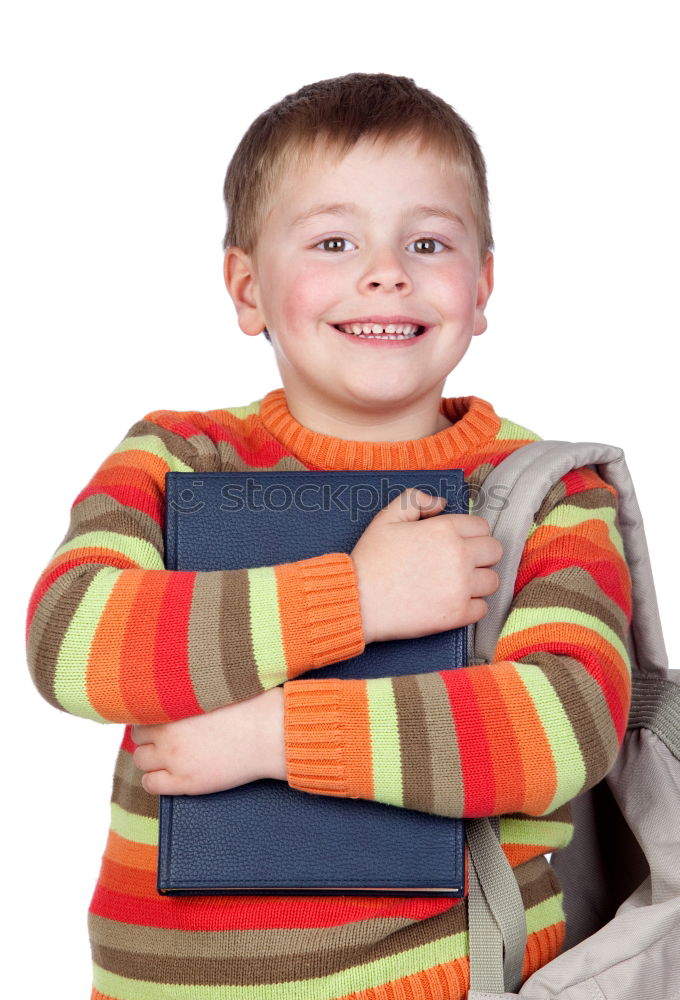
(620, 874)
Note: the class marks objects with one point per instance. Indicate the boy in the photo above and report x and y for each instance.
(359, 240)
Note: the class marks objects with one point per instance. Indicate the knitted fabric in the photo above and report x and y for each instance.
(115, 637)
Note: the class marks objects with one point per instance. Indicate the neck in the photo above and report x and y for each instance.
(349, 424)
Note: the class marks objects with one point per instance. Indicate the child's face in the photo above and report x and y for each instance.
(381, 258)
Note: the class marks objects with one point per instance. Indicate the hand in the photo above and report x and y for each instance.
(221, 749)
(416, 576)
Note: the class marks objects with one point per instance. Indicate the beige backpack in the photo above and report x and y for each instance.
(621, 872)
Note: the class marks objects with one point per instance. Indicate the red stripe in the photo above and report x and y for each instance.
(611, 578)
(477, 765)
(222, 913)
(171, 652)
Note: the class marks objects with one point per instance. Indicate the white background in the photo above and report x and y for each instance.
(118, 122)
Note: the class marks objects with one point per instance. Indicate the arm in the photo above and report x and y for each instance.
(526, 733)
(113, 636)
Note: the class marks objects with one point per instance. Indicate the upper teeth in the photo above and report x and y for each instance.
(402, 328)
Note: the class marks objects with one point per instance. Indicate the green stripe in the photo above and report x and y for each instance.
(139, 551)
(155, 446)
(131, 826)
(265, 626)
(70, 677)
(529, 617)
(537, 833)
(550, 911)
(569, 764)
(369, 975)
(514, 432)
(244, 411)
(385, 743)
(568, 515)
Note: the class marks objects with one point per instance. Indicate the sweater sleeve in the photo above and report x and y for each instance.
(113, 636)
(523, 734)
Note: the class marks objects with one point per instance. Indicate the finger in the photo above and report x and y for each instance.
(146, 757)
(161, 782)
(486, 551)
(468, 525)
(484, 583)
(478, 609)
(471, 525)
(142, 734)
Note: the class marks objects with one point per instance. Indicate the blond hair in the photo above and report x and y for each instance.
(331, 116)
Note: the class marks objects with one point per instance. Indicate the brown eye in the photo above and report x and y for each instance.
(427, 241)
(333, 243)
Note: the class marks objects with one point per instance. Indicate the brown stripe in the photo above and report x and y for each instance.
(555, 495)
(416, 752)
(592, 497)
(221, 661)
(261, 956)
(100, 512)
(446, 796)
(128, 792)
(586, 708)
(575, 588)
(537, 881)
(207, 661)
(50, 623)
(560, 815)
(235, 650)
(588, 499)
(187, 451)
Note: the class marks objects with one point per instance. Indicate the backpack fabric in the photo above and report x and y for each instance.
(620, 874)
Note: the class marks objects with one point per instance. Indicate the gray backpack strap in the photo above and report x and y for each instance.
(532, 470)
(521, 481)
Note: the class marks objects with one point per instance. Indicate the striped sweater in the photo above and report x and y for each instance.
(115, 637)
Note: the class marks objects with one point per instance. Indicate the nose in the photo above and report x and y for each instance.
(386, 269)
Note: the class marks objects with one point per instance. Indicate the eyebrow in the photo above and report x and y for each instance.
(349, 208)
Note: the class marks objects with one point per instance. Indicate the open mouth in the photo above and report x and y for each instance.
(418, 332)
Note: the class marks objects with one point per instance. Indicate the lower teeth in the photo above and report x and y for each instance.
(374, 336)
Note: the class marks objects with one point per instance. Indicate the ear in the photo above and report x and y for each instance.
(240, 279)
(484, 289)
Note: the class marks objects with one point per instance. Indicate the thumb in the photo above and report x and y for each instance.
(413, 504)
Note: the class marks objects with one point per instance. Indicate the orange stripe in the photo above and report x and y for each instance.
(517, 854)
(549, 635)
(103, 669)
(138, 656)
(130, 853)
(291, 597)
(354, 706)
(119, 468)
(542, 947)
(134, 882)
(537, 761)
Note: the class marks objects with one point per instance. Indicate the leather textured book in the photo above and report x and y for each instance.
(265, 837)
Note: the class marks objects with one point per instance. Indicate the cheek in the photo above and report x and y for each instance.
(458, 290)
(308, 299)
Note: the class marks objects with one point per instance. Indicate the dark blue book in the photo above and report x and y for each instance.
(266, 837)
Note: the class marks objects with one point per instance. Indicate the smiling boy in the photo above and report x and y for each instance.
(382, 234)
(363, 249)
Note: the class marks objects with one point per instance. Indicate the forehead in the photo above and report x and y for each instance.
(371, 179)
